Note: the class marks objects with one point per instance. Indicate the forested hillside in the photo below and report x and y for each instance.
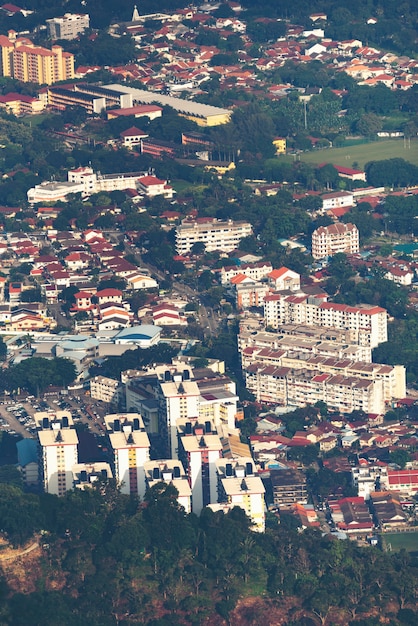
(108, 559)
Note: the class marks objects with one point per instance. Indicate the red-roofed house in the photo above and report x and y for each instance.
(284, 278)
(151, 186)
(132, 137)
(168, 315)
(83, 301)
(109, 295)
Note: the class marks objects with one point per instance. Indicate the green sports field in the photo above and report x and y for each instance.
(397, 541)
(362, 153)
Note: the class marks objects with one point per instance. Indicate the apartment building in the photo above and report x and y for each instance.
(289, 487)
(6, 50)
(284, 278)
(130, 446)
(179, 399)
(393, 377)
(335, 238)
(199, 448)
(58, 441)
(212, 233)
(106, 390)
(368, 323)
(171, 472)
(24, 61)
(85, 475)
(168, 393)
(299, 387)
(255, 271)
(239, 485)
(249, 294)
(69, 26)
(307, 340)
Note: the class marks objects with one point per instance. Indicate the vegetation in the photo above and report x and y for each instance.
(36, 374)
(152, 564)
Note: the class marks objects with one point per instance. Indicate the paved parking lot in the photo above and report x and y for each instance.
(17, 416)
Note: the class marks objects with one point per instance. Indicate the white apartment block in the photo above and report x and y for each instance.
(69, 26)
(214, 234)
(199, 449)
(368, 322)
(337, 199)
(369, 478)
(270, 348)
(130, 445)
(86, 474)
(337, 343)
(335, 238)
(59, 448)
(239, 485)
(85, 181)
(297, 387)
(180, 400)
(256, 271)
(168, 393)
(106, 390)
(171, 472)
(393, 377)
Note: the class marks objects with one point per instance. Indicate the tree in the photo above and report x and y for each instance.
(369, 124)
(327, 175)
(400, 457)
(36, 374)
(3, 350)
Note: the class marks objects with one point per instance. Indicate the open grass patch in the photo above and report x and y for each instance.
(393, 542)
(364, 152)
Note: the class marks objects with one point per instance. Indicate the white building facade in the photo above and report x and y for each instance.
(213, 234)
(333, 239)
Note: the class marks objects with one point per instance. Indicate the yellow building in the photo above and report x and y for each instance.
(24, 61)
(280, 144)
(6, 47)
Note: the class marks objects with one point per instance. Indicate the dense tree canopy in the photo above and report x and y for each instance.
(125, 562)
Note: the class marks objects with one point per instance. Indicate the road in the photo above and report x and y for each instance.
(207, 318)
(61, 320)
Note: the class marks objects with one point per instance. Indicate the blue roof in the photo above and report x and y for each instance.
(142, 332)
(27, 452)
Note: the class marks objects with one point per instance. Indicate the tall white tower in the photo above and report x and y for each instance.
(59, 441)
